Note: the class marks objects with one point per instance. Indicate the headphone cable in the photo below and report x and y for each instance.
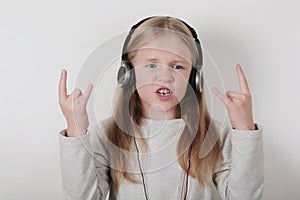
(145, 190)
(185, 177)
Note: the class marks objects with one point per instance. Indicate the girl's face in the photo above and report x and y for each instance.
(162, 70)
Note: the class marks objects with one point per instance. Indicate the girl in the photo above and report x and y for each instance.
(161, 143)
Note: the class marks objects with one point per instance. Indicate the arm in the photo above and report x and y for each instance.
(83, 177)
(239, 174)
(84, 168)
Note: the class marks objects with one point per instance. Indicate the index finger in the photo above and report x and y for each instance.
(62, 85)
(242, 80)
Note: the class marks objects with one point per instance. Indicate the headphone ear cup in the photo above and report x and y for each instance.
(192, 80)
(126, 76)
(201, 81)
(196, 80)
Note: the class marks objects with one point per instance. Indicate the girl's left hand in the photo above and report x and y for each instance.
(238, 104)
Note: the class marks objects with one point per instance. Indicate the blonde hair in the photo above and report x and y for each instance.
(194, 132)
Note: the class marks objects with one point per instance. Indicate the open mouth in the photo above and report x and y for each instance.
(163, 91)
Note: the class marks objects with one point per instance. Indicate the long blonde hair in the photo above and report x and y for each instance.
(194, 132)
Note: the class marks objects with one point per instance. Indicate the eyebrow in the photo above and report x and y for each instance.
(155, 60)
(151, 59)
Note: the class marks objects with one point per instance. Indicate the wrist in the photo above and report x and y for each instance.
(75, 132)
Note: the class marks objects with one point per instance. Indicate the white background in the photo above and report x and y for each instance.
(39, 38)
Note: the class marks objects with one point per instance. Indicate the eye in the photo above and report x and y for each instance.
(177, 67)
(151, 65)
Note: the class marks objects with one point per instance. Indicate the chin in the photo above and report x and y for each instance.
(164, 107)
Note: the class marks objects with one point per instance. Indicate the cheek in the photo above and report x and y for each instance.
(180, 90)
(145, 91)
(142, 78)
(181, 84)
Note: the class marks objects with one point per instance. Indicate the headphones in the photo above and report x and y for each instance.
(126, 76)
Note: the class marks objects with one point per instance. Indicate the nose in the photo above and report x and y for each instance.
(165, 74)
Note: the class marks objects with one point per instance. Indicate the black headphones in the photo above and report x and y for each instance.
(126, 76)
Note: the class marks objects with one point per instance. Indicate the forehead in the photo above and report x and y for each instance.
(168, 45)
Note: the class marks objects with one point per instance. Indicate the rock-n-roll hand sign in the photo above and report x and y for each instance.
(73, 107)
(238, 104)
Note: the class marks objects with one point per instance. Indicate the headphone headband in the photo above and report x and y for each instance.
(124, 55)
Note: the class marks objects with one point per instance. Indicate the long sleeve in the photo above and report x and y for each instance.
(239, 174)
(83, 176)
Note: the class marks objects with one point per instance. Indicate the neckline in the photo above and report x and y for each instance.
(148, 122)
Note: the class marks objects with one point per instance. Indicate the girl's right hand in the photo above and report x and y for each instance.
(73, 107)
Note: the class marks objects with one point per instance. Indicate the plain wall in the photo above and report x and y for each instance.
(39, 38)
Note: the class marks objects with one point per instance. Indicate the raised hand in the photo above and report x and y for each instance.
(73, 107)
(238, 104)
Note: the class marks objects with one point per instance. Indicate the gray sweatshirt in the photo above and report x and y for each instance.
(238, 174)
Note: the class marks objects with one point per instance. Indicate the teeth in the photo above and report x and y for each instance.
(163, 92)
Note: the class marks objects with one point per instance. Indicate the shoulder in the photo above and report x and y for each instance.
(223, 131)
(217, 134)
(99, 131)
(102, 125)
